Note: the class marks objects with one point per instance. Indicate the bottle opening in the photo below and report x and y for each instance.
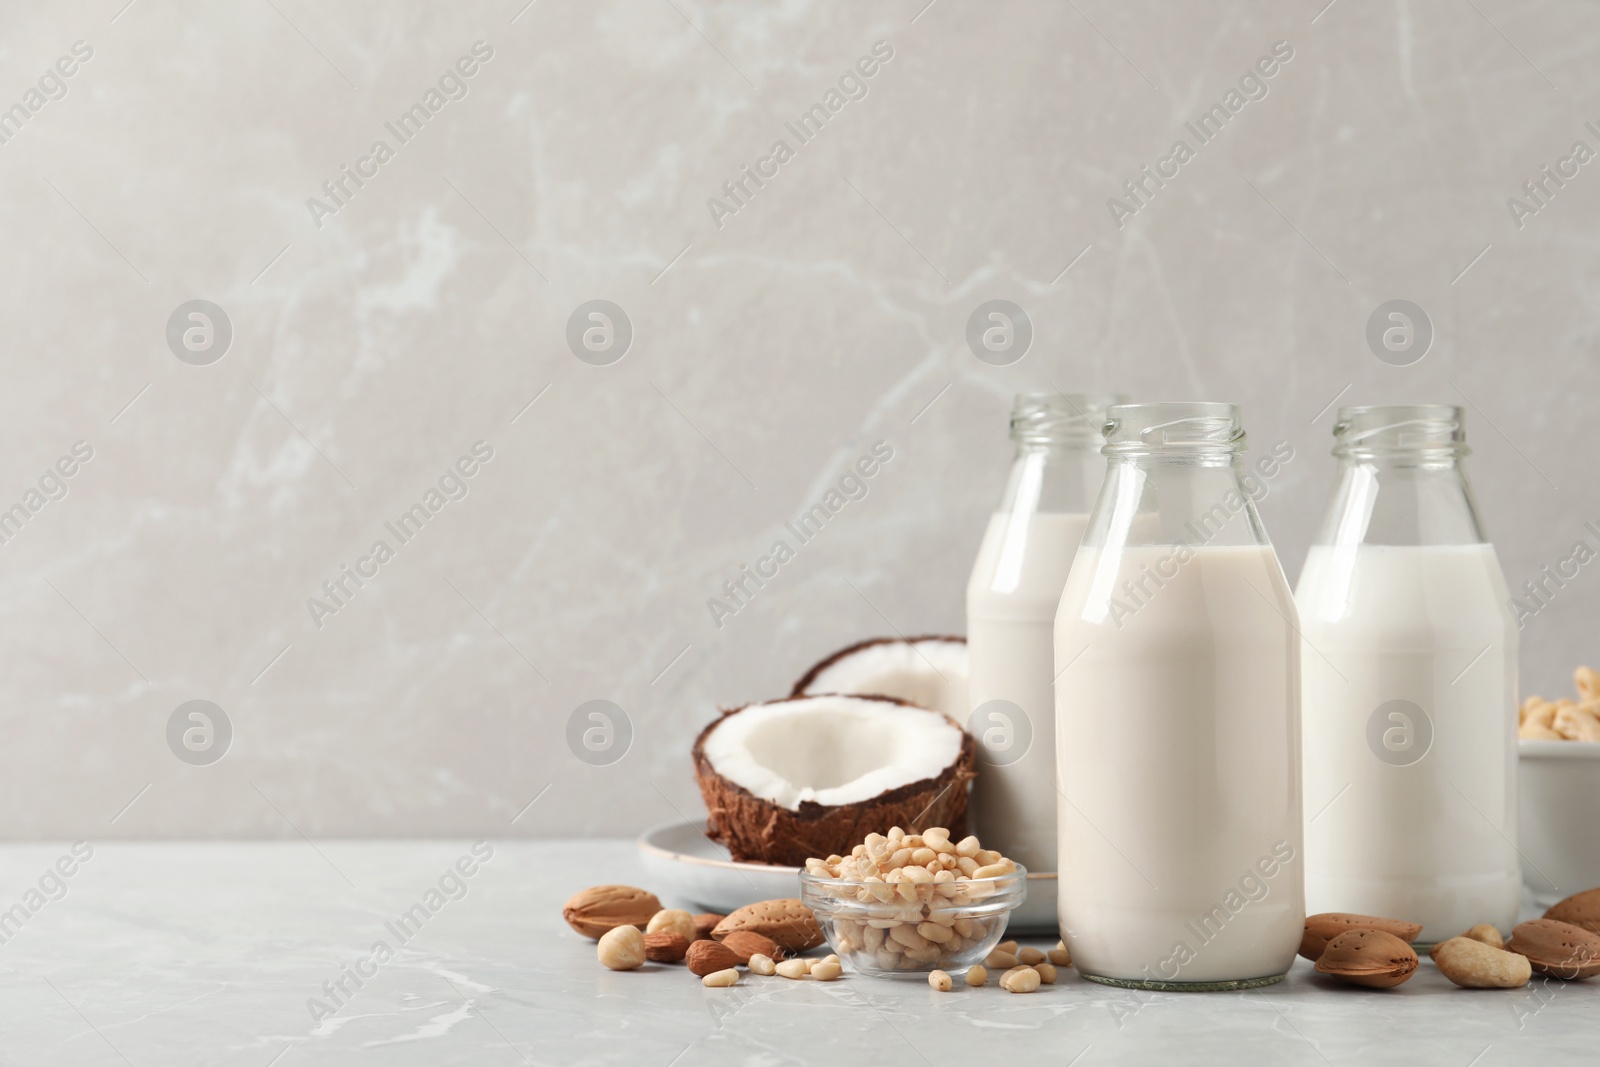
(1399, 430)
(1174, 427)
(1053, 417)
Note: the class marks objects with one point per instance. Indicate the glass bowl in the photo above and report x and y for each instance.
(911, 928)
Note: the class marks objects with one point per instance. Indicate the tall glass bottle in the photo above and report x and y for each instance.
(1011, 608)
(1177, 716)
(1410, 685)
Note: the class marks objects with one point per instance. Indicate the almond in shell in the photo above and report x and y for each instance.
(1369, 958)
(1557, 949)
(1581, 910)
(1320, 929)
(600, 908)
(787, 922)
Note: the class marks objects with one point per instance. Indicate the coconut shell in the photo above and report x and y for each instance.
(759, 831)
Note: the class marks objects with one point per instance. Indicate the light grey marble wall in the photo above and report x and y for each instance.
(573, 156)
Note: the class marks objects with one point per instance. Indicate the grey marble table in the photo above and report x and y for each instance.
(226, 953)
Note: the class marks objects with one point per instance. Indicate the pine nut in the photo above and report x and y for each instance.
(795, 968)
(721, 979)
(1007, 946)
(826, 970)
(1020, 980)
(1059, 955)
(763, 965)
(977, 975)
(1000, 961)
(940, 981)
(1030, 956)
(932, 931)
(1047, 972)
(907, 935)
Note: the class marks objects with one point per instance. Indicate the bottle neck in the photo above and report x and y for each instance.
(1416, 499)
(1060, 476)
(1199, 498)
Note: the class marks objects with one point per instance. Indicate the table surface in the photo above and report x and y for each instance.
(209, 953)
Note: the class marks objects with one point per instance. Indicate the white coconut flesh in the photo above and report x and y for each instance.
(931, 673)
(831, 750)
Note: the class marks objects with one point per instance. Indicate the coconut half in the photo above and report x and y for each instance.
(810, 776)
(928, 671)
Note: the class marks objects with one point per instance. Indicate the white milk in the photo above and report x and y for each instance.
(1011, 609)
(1429, 841)
(1178, 751)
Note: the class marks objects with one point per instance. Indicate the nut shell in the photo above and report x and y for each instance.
(1369, 958)
(600, 908)
(665, 947)
(1581, 910)
(1323, 928)
(709, 957)
(1557, 949)
(788, 923)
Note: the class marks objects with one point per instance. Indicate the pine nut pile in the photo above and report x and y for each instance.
(908, 900)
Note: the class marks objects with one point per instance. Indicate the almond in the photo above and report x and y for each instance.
(704, 923)
(1368, 957)
(787, 922)
(600, 908)
(747, 943)
(1557, 949)
(665, 947)
(1320, 929)
(709, 957)
(1581, 910)
(1474, 964)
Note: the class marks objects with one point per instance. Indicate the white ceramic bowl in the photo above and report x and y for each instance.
(1558, 821)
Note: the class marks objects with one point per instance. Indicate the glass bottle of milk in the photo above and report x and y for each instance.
(1410, 685)
(1178, 715)
(1011, 608)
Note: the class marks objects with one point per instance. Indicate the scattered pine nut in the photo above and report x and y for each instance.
(721, 979)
